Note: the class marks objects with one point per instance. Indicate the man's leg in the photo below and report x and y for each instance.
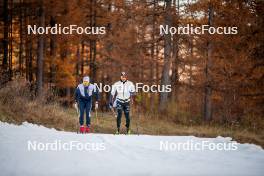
(126, 109)
(119, 115)
(82, 106)
(88, 108)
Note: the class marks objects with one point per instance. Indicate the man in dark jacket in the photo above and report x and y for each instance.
(83, 97)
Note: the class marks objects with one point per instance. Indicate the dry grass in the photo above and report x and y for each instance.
(154, 126)
(17, 104)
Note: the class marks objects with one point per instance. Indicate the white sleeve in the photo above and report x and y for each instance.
(132, 88)
(113, 91)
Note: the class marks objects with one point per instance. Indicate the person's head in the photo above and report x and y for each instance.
(86, 80)
(123, 76)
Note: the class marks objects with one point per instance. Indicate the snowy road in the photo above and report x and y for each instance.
(106, 155)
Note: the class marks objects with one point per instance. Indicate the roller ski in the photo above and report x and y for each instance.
(128, 132)
(84, 129)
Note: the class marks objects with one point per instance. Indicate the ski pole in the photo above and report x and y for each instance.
(137, 125)
(114, 114)
(113, 111)
(131, 114)
(77, 110)
(96, 117)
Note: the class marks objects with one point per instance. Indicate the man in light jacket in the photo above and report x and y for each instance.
(122, 94)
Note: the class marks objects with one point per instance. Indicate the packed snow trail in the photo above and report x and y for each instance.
(122, 155)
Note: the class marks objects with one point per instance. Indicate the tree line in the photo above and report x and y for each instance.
(213, 77)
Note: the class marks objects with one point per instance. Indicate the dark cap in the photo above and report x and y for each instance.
(123, 73)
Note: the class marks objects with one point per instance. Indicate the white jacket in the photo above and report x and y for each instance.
(91, 89)
(122, 90)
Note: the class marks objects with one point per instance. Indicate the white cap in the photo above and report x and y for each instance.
(86, 78)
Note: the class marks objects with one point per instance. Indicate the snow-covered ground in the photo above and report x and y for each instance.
(106, 154)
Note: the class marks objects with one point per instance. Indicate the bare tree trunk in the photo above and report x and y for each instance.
(20, 39)
(91, 59)
(94, 70)
(152, 100)
(82, 59)
(208, 86)
(91, 41)
(190, 64)
(10, 42)
(78, 64)
(175, 56)
(29, 55)
(157, 72)
(94, 61)
(40, 51)
(5, 40)
(30, 63)
(165, 79)
(29, 45)
(52, 51)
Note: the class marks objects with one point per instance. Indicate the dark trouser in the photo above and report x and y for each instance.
(85, 106)
(122, 107)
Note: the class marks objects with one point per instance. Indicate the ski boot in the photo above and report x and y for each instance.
(87, 129)
(117, 132)
(82, 129)
(128, 131)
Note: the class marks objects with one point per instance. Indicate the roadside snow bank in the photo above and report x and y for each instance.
(35, 150)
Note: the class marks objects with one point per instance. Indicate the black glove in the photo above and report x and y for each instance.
(110, 104)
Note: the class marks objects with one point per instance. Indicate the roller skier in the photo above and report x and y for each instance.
(122, 93)
(83, 98)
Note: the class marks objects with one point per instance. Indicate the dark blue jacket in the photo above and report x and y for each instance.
(85, 93)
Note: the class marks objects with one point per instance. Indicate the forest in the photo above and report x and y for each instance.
(214, 78)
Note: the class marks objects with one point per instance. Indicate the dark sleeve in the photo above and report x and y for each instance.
(76, 94)
(96, 93)
(111, 99)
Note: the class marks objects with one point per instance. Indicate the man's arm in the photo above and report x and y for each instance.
(76, 94)
(112, 94)
(76, 99)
